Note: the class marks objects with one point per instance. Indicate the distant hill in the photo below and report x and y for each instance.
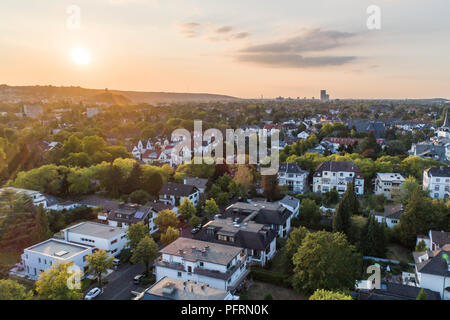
(53, 93)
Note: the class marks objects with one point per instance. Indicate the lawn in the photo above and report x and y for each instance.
(258, 289)
(9, 258)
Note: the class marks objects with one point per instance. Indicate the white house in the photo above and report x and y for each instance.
(291, 203)
(432, 270)
(390, 216)
(175, 289)
(217, 265)
(437, 181)
(290, 175)
(435, 240)
(303, 135)
(37, 197)
(336, 175)
(174, 193)
(388, 184)
(199, 183)
(258, 240)
(40, 257)
(97, 235)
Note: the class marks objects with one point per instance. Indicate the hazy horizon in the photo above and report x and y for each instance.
(241, 49)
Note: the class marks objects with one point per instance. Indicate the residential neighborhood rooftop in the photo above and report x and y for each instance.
(95, 229)
(58, 249)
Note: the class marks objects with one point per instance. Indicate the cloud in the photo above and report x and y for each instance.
(294, 60)
(191, 29)
(241, 35)
(290, 52)
(224, 29)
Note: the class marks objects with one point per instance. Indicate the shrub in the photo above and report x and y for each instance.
(268, 296)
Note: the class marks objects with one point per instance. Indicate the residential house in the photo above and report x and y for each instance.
(435, 240)
(432, 269)
(175, 289)
(291, 203)
(97, 235)
(390, 216)
(199, 183)
(274, 215)
(292, 176)
(219, 266)
(388, 184)
(37, 197)
(258, 240)
(336, 175)
(174, 193)
(437, 182)
(42, 256)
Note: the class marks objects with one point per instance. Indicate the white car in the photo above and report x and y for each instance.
(93, 293)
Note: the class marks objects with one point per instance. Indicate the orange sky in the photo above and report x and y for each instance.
(292, 48)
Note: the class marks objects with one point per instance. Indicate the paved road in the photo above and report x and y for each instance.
(120, 283)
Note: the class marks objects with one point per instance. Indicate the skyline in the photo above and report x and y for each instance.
(289, 49)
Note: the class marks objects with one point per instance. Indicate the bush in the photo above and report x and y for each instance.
(125, 255)
(275, 278)
(148, 280)
(268, 296)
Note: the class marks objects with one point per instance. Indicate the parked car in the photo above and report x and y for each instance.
(195, 230)
(116, 263)
(138, 278)
(94, 292)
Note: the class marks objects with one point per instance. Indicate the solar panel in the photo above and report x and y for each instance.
(139, 215)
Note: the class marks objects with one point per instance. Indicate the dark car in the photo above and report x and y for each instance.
(195, 230)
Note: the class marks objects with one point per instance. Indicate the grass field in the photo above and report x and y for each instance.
(258, 289)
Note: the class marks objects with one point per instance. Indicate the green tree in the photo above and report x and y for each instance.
(195, 221)
(152, 182)
(326, 260)
(422, 295)
(145, 252)
(421, 246)
(309, 214)
(373, 239)
(271, 187)
(268, 296)
(92, 144)
(294, 241)
(13, 290)
(187, 209)
(53, 283)
(41, 230)
(134, 180)
(170, 236)
(321, 294)
(139, 196)
(407, 189)
(165, 219)
(243, 177)
(348, 206)
(136, 232)
(211, 208)
(98, 263)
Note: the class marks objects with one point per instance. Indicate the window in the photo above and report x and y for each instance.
(114, 241)
(39, 260)
(179, 274)
(201, 264)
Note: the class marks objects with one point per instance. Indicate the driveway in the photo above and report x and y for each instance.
(120, 283)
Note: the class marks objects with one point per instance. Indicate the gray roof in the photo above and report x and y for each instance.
(291, 168)
(196, 250)
(338, 166)
(197, 182)
(94, 229)
(174, 289)
(59, 249)
(392, 211)
(177, 189)
(260, 212)
(290, 201)
(438, 172)
(436, 263)
(441, 238)
(396, 291)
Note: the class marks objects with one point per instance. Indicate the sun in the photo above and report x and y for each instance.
(81, 56)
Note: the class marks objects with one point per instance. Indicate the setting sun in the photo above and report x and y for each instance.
(81, 56)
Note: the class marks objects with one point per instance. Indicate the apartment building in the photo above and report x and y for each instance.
(220, 266)
(292, 176)
(42, 256)
(388, 184)
(174, 193)
(437, 182)
(258, 240)
(336, 175)
(97, 235)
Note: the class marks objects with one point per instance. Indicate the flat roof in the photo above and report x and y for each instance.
(58, 249)
(192, 250)
(228, 225)
(391, 176)
(95, 229)
(174, 289)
